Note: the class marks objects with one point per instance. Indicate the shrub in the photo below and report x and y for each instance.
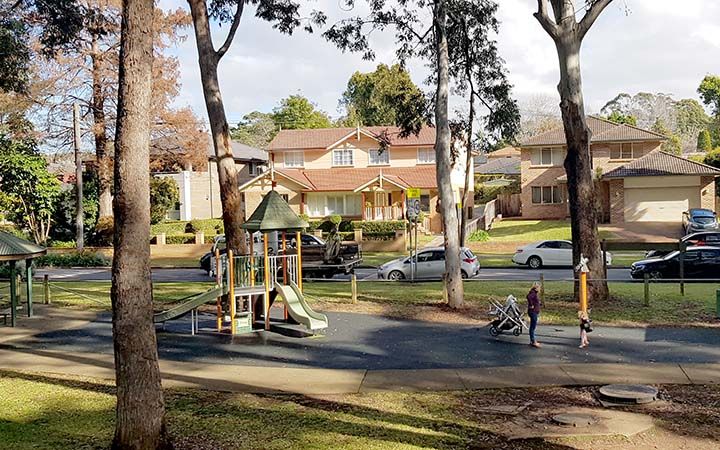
(15, 231)
(385, 226)
(63, 244)
(344, 235)
(184, 238)
(479, 236)
(75, 259)
(164, 194)
(104, 230)
(207, 226)
(170, 228)
(379, 236)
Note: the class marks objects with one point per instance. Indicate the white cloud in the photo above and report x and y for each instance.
(660, 46)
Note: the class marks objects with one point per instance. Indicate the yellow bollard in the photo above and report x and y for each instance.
(353, 285)
(583, 292)
(231, 291)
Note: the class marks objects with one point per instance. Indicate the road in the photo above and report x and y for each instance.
(195, 275)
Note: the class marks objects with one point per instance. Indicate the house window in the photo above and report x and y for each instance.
(322, 205)
(426, 156)
(255, 168)
(379, 157)
(547, 195)
(626, 150)
(425, 203)
(294, 159)
(343, 157)
(547, 156)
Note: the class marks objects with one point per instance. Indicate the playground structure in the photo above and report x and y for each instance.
(12, 250)
(247, 285)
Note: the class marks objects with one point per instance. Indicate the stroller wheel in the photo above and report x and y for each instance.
(494, 331)
(517, 331)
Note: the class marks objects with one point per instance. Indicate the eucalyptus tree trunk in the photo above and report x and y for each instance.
(209, 58)
(443, 157)
(468, 165)
(104, 166)
(568, 34)
(140, 412)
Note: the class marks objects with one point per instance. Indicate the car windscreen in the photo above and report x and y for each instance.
(704, 219)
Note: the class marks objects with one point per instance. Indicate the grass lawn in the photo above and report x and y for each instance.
(42, 411)
(620, 259)
(375, 259)
(667, 306)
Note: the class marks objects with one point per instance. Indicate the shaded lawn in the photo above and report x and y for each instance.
(667, 306)
(524, 231)
(620, 259)
(69, 413)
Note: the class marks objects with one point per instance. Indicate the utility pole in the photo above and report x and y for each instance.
(78, 180)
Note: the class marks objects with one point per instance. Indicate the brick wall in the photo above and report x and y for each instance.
(539, 176)
(617, 201)
(707, 193)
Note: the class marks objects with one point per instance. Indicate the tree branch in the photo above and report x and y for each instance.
(231, 33)
(591, 16)
(547, 23)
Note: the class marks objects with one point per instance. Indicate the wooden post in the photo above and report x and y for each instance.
(285, 272)
(231, 290)
(13, 294)
(542, 287)
(353, 287)
(646, 281)
(682, 270)
(28, 286)
(299, 260)
(252, 261)
(583, 292)
(266, 302)
(46, 286)
(218, 281)
(362, 201)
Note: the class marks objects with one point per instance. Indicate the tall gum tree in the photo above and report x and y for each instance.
(286, 17)
(140, 410)
(568, 34)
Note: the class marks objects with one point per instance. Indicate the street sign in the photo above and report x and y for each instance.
(412, 207)
(413, 192)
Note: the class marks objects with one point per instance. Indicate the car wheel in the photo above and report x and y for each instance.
(464, 275)
(396, 275)
(534, 262)
(656, 275)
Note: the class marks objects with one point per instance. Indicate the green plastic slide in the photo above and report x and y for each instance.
(189, 304)
(300, 310)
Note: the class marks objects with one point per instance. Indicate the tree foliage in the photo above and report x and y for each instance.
(164, 195)
(709, 91)
(378, 97)
(672, 144)
(297, 112)
(256, 129)
(704, 143)
(618, 117)
(63, 228)
(29, 191)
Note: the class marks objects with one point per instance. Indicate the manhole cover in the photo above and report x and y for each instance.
(628, 393)
(574, 419)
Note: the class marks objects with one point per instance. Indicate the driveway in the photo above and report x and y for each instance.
(646, 231)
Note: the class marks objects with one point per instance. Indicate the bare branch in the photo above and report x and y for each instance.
(547, 23)
(591, 16)
(231, 33)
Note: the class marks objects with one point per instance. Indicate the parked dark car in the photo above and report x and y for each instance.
(699, 219)
(699, 262)
(691, 240)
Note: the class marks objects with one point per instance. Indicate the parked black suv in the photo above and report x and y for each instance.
(691, 240)
(699, 262)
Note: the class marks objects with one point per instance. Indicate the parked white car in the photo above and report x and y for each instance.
(547, 253)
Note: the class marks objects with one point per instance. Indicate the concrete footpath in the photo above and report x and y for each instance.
(314, 381)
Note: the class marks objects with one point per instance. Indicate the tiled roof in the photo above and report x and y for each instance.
(658, 163)
(505, 152)
(349, 179)
(241, 152)
(12, 248)
(325, 137)
(602, 131)
(503, 166)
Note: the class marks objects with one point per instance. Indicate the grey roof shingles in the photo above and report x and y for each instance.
(501, 166)
(324, 137)
(659, 163)
(241, 152)
(602, 131)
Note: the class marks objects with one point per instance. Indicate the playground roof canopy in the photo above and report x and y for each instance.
(274, 214)
(13, 248)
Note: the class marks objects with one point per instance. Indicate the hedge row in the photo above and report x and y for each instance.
(180, 227)
(76, 259)
(385, 226)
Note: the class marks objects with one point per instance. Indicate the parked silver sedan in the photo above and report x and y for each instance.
(430, 265)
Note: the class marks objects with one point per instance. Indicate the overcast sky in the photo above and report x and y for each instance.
(636, 45)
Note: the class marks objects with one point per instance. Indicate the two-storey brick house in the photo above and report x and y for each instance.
(636, 180)
(321, 172)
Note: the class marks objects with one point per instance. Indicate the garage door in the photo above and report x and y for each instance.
(658, 204)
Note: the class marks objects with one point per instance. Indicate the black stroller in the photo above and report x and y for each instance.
(506, 318)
